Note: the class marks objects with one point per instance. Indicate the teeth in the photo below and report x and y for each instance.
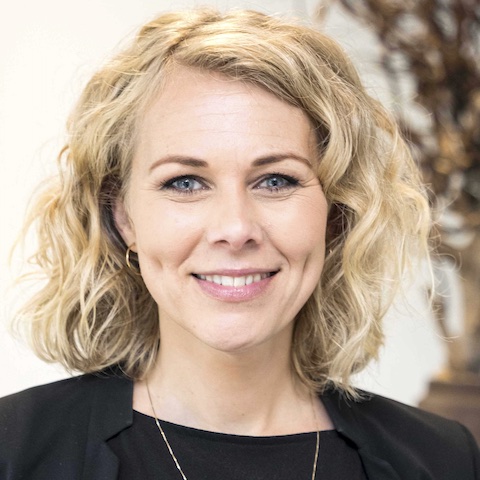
(234, 281)
(239, 281)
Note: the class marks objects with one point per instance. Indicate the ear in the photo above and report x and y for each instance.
(123, 222)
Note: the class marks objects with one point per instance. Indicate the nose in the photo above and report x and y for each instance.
(234, 221)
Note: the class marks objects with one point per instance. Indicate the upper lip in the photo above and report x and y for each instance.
(237, 272)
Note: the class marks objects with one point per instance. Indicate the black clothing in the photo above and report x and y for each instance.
(217, 456)
(60, 431)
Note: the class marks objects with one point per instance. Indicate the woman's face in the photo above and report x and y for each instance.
(225, 211)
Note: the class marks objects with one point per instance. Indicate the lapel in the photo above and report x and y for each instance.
(396, 441)
(347, 422)
(111, 412)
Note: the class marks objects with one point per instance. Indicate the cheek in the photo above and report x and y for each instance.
(310, 236)
(166, 236)
(303, 230)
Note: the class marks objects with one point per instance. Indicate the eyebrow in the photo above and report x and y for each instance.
(275, 158)
(182, 160)
(259, 162)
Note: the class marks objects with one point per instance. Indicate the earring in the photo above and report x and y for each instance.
(133, 268)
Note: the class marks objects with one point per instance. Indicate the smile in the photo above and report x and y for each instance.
(228, 281)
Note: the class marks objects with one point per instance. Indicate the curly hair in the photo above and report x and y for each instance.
(92, 312)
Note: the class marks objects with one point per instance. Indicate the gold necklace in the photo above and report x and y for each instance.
(177, 464)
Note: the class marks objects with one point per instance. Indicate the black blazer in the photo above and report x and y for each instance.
(59, 432)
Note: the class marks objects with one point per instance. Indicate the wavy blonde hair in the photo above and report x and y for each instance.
(93, 312)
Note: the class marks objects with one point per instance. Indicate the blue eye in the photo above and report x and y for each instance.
(183, 184)
(277, 182)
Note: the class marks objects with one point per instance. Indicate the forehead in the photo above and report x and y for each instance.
(194, 103)
(193, 87)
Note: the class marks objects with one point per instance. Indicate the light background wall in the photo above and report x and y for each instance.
(48, 50)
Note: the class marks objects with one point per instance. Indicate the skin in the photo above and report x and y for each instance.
(223, 184)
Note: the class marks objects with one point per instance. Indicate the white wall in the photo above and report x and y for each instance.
(48, 50)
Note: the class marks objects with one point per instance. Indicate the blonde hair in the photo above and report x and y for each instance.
(93, 312)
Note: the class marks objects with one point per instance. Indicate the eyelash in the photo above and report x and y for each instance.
(292, 182)
(168, 184)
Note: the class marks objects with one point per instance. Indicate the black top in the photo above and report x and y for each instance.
(207, 455)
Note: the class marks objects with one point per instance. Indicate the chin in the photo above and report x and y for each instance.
(234, 346)
(238, 341)
(230, 342)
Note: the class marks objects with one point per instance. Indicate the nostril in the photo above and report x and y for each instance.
(237, 235)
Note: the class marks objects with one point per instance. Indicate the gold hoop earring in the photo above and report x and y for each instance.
(133, 268)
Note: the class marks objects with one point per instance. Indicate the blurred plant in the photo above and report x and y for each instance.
(435, 46)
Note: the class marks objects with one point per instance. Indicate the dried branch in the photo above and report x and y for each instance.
(436, 43)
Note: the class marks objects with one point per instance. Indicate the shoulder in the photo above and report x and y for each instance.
(405, 436)
(45, 404)
(56, 421)
(46, 396)
(49, 403)
(72, 397)
(376, 410)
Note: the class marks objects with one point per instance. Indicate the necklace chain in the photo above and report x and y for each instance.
(177, 464)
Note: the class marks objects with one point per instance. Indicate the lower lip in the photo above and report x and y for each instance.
(235, 294)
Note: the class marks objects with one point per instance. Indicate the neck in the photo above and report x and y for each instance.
(247, 393)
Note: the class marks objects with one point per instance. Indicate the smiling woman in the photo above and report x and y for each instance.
(232, 217)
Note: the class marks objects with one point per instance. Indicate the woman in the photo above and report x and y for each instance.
(231, 220)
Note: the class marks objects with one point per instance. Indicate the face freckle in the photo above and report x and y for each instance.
(225, 211)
